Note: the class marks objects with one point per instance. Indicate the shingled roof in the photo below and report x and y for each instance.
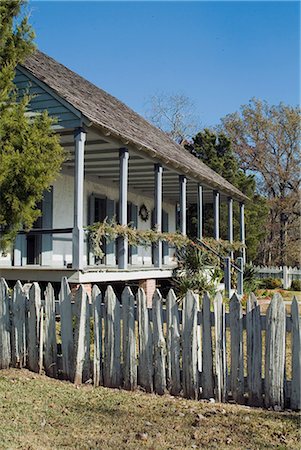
(106, 111)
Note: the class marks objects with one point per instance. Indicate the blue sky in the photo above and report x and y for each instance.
(219, 54)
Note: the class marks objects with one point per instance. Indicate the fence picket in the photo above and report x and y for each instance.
(82, 337)
(5, 328)
(254, 351)
(112, 341)
(19, 326)
(50, 350)
(129, 340)
(97, 360)
(145, 368)
(159, 345)
(207, 374)
(220, 349)
(34, 313)
(275, 352)
(296, 356)
(237, 359)
(190, 346)
(173, 344)
(66, 330)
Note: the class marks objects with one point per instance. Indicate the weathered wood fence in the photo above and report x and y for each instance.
(198, 351)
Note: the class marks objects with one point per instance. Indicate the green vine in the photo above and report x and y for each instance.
(111, 230)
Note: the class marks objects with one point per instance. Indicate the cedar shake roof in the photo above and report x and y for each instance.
(107, 112)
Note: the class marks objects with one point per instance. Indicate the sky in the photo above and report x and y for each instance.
(219, 54)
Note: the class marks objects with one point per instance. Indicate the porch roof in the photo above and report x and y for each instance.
(113, 116)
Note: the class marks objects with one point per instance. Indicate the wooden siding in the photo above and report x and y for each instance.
(42, 100)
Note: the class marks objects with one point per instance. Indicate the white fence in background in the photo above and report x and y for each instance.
(286, 274)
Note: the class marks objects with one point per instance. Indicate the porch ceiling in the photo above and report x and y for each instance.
(102, 162)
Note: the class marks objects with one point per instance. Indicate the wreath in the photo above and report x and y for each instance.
(143, 213)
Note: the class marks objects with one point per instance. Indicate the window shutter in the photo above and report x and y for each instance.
(47, 223)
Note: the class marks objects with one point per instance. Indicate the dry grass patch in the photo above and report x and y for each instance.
(40, 413)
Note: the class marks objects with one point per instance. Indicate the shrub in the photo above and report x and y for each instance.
(296, 285)
(271, 283)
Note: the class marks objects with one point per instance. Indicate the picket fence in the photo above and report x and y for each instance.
(285, 273)
(163, 349)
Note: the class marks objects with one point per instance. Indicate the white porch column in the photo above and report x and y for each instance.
(216, 214)
(78, 230)
(200, 212)
(158, 213)
(123, 200)
(183, 184)
(230, 222)
(242, 235)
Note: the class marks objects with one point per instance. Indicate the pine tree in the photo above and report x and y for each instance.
(30, 153)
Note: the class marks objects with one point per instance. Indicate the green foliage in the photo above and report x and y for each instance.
(111, 230)
(271, 283)
(215, 150)
(296, 285)
(251, 280)
(198, 272)
(30, 153)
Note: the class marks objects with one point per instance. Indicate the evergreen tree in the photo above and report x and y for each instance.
(216, 152)
(30, 154)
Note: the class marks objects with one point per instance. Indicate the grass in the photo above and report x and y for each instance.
(40, 413)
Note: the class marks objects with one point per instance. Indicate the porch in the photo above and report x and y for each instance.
(104, 177)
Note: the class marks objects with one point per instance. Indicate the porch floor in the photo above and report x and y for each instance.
(90, 274)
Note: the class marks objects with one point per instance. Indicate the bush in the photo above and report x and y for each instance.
(296, 285)
(271, 283)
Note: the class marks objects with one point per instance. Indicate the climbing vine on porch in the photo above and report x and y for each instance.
(110, 230)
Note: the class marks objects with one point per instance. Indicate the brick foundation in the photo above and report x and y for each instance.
(149, 287)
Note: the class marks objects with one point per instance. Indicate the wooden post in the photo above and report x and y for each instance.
(66, 330)
(200, 212)
(254, 351)
(145, 369)
(237, 358)
(183, 204)
(78, 229)
(296, 356)
(5, 326)
(112, 340)
(50, 357)
(207, 375)
(242, 235)
(19, 326)
(216, 214)
(220, 349)
(230, 223)
(97, 360)
(123, 199)
(129, 340)
(275, 352)
(34, 327)
(158, 214)
(190, 346)
(173, 344)
(159, 345)
(82, 337)
(227, 276)
(240, 276)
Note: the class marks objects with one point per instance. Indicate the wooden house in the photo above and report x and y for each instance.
(118, 165)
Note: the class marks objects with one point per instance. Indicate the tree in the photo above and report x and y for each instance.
(174, 114)
(215, 150)
(30, 154)
(266, 139)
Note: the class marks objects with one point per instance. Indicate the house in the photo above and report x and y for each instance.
(118, 164)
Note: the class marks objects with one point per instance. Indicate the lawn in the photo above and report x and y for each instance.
(40, 413)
